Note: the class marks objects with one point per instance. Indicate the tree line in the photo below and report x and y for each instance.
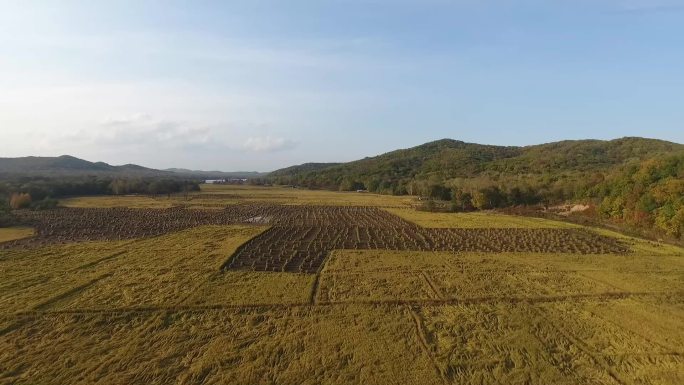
(41, 193)
(642, 194)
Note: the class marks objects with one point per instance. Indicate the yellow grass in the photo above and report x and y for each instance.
(301, 196)
(132, 201)
(522, 344)
(13, 233)
(383, 275)
(643, 246)
(474, 220)
(251, 288)
(342, 345)
(225, 195)
(161, 271)
(160, 310)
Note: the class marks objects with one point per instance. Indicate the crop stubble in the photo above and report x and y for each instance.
(173, 295)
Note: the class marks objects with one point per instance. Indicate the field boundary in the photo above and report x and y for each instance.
(70, 293)
(424, 344)
(316, 283)
(402, 303)
(97, 261)
(435, 291)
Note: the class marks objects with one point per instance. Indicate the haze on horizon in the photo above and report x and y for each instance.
(259, 85)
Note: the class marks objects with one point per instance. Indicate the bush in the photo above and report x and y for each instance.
(45, 204)
(6, 217)
(20, 200)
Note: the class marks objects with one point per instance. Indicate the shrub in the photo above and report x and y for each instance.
(20, 200)
(45, 204)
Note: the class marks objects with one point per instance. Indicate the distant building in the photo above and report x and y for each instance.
(226, 181)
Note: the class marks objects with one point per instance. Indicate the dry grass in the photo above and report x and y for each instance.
(476, 220)
(323, 345)
(131, 201)
(285, 195)
(507, 344)
(12, 233)
(159, 271)
(160, 310)
(250, 288)
(383, 275)
(219, 196)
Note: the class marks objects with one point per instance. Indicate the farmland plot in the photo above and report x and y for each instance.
(259, 293)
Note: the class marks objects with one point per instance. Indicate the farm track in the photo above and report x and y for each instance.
(425, 343)
(433, 287)
(582, 346)
(399, 303)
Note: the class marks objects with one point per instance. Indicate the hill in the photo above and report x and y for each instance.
(215, 174)
(447, 159)
(635, 182)
(67, 165)
(302, 168)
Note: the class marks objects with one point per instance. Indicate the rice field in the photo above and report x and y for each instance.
(13, 233)
(396, 296)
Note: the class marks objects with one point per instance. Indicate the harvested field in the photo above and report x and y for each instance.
(323, 345)
(299, 196)
(302, 236)
(89, 224)
(475, 220)
(382, 275)
(13, 233)
(261, 293)
(128, 201)
(303, 249)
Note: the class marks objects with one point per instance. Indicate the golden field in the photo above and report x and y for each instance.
(162, 310)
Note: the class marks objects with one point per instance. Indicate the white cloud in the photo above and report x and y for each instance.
(142, 130)
(268, 144)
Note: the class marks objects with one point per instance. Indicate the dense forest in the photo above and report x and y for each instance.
(648, 194)
(632, 181)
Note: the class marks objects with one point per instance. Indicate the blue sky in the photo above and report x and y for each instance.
(258, 85)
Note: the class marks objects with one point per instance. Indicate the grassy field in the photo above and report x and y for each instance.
(131, 201)
(12, 233)
(475, 220)
(164, 309)
(219, 196)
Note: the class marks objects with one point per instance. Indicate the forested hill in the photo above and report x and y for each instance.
(446, 159)
(302, 168)
(66, 165)
(632, 181)
(69, 166)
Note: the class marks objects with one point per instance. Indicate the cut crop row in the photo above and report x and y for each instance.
(302, 249)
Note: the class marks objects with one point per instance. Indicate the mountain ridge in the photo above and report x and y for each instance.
(68, 165)
(450, 158)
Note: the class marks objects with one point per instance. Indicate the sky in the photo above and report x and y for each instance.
(260, 85)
